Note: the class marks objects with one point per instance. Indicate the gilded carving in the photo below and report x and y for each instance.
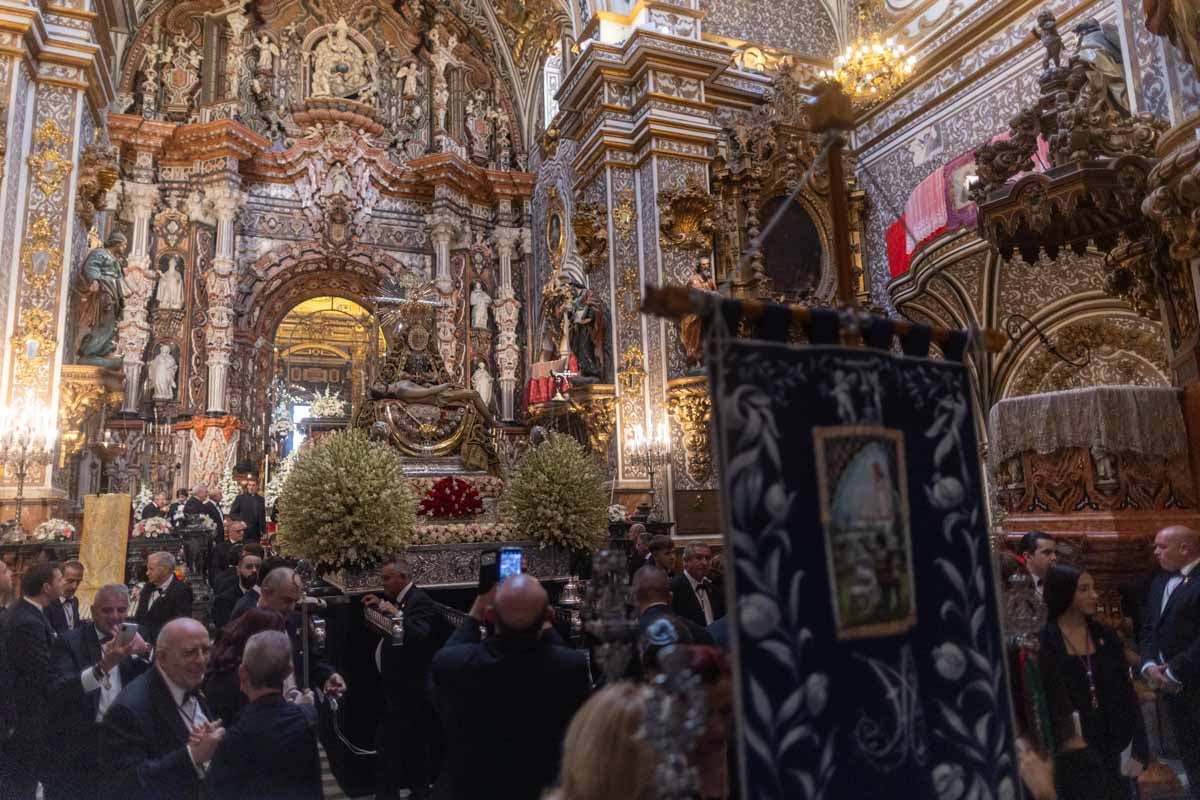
(596, 407)
(98, 172)
(590, 225)
(633, 370)
(686, 216)
(50, 163)
(689, 405)
(84, 390)
(623, 214)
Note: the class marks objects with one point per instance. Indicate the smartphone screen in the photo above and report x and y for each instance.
(510, 562)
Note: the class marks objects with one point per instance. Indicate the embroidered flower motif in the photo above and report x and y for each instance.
(947, 492)
(759, 615)
(948, 781)
(949, 660)
(1006, 790)
(816, 693)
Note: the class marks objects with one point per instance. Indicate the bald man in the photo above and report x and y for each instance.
(1171, 640)
(156, 738)
(505, 703)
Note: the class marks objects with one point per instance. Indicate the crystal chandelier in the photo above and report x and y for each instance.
(872, 69)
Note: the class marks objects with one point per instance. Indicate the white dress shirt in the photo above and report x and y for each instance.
(68, 612)
(161, 590)
(189, 711)
(1173, 583)
(702, 596)
(110, 686)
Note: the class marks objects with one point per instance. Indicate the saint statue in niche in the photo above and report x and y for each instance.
(587, 323)
(103, 285)
(690, 330)
(162, 373)
(481, 380)
(170, 286)
(480, 302)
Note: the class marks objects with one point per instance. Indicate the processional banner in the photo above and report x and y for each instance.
(103, 542)
(869, 656)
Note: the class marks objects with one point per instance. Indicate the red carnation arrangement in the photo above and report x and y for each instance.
(451, 497)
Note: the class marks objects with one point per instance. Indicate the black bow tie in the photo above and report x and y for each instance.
(106, 638)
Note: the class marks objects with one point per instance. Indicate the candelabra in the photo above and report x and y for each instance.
(649, 450)
(27, 434)
(163, 463)
(106, 449)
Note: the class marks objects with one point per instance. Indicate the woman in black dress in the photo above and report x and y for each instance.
(1084, 672)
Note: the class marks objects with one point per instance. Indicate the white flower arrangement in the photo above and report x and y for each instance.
(143, 499)
(54, 530)
(281, 427)
(486, 485)
(152, 528)
(463, 533)
(230, 489)
(616, 513)
(327, 404)
(274, 485)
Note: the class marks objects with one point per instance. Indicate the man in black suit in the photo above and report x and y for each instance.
(157, 507)
(163, 598)
(505, 703)
(176, 511)
(404, 733)
(692, 596)
(652, 596)
(156, 737)
(233, 585)
(271, 752)
(201, 503)
(63, 613)
(1040, 552)
(28, 639)
(662, 554)
(1171, 640)
(219, 555)
(282, 590)
(90, 665)
(251, 507)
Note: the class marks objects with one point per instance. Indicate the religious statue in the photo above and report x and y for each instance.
(441, 57)
(339, 67)
(503, 148)
(586, 315)
(440, 395)
(690, 329)
(481, 380)
(480, 302)
(441, 104)
(1099, 46)
(1047, 33)
(406, 77)
(267, 52)
(170, 286)
(162, 373)
(104, 279)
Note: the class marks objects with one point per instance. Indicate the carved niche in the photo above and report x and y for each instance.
(686, 216)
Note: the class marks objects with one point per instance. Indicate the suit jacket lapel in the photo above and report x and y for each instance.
(165, 708)
(1184, 587)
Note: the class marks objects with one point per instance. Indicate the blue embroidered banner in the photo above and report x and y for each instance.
(869, 654)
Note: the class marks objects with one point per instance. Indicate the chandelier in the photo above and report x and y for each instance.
(871, 69)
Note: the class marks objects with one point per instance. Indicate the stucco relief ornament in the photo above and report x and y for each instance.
(687, 214)
(181, 75)
(339, 67)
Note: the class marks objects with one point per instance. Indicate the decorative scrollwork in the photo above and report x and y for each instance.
(633, 370)
(686, 218)
(590, 225)
(98, 172)
(689, 405)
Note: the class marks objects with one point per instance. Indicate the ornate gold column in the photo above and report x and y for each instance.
(691, 410)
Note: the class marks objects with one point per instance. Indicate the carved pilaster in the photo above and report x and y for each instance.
(596, 407)
(507, 312)
(133, 332)
(221, 285)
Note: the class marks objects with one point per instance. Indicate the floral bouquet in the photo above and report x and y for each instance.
(281, 427)
(486, 485)
(327, 404)
(230, 489)
(54, 530)
(152, 528)
(144, 498)
(460, 533)
(451, 497)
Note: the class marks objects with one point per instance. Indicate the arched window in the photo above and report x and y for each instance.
(551, 80)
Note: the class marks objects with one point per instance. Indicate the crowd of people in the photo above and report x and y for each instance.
(1097, 736)
(140, 700)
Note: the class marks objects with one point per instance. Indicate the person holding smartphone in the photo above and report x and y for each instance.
(89, 665)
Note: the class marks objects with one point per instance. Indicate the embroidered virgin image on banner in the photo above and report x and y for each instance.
(864, 511)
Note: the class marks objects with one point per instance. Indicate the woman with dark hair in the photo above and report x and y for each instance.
(1094, 710)
(222, 685)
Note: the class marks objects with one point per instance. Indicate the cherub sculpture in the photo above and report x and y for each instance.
(1047, 33)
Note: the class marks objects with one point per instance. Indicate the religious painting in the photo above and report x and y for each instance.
(864, 511)
(555, 229)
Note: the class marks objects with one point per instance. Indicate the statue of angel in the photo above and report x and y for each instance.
(267, 52)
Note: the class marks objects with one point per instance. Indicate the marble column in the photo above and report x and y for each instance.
(221, 285)
(443, 226)
(507, 312)
(140, 277)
